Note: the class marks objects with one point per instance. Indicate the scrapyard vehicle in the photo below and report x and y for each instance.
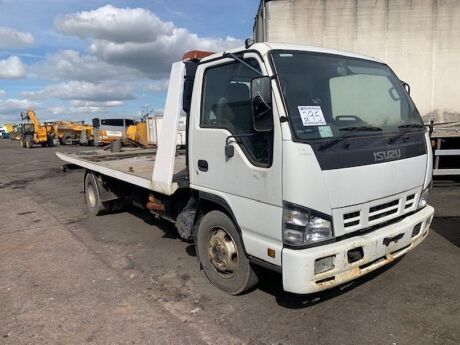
(33, 133)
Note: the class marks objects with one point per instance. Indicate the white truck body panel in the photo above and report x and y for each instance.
(133, 166)
(164, 168)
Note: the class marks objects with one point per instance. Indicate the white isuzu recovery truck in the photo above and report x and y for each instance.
(308, 161)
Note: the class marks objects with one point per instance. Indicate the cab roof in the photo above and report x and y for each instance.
(265, 47)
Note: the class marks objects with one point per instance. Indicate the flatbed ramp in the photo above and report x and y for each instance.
(131, 165)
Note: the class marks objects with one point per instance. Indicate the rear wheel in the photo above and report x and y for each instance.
(222, 256)
(92, 196)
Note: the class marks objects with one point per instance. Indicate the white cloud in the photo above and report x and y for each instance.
(2, 93)
(13, 39)
(113, 24)
(86, 91)
(12, 68)
(71, 65)
(80, 111)
(56, 110)
(107, 104)
(10, 109)
(137, 38)
(89, 109)
(157, 85)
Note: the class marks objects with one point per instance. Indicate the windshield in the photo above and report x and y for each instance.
(28, 127)
(331, 96)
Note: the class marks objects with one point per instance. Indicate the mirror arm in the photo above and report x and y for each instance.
(236, 136)
(230, 149)
(233, 56)
(406, 85)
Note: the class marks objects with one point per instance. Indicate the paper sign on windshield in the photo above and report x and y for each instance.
(311, 115)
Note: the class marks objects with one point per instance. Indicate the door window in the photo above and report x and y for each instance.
(226, 104)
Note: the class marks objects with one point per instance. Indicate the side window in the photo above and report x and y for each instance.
(112, 122)
(226, 103)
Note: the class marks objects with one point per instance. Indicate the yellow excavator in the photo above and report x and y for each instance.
(33, 133)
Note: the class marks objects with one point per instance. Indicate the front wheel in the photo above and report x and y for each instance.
(222, 256)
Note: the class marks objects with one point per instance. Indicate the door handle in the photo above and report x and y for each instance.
(203, 165)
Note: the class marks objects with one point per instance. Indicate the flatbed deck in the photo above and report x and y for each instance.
(131, 165)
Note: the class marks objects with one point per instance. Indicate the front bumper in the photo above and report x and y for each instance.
(298, 266)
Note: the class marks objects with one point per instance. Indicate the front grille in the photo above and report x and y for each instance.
(383, 210)
(351, 215)
(383, 206)
(351, 219)
(383, 214)
(353, 223)
(364, 216)
(409, 201)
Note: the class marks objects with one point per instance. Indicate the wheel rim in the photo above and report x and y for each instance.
(91, 196)
(222, 252)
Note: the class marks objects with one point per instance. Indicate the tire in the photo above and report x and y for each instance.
(92, 197)
(222, 255)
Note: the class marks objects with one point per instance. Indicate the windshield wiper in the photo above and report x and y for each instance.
(333, 142)
(408, 128)
(412, 125)
(361, 129)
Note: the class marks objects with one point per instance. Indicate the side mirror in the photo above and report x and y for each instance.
(261, 100)
(229, 151)
(96, 122)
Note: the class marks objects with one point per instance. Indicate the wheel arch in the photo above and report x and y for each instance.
(208, 202)
(104, 193)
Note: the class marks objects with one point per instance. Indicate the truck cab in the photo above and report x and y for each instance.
(320, 156)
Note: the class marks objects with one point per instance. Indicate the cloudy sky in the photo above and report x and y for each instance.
(80, 59)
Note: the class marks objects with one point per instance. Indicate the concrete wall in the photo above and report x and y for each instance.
(419, 39)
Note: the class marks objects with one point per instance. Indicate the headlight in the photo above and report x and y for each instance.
(303, 226)
(425, 197)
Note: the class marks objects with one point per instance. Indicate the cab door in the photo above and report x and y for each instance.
(250, 180)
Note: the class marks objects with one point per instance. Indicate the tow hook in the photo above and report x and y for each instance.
(395, 239)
